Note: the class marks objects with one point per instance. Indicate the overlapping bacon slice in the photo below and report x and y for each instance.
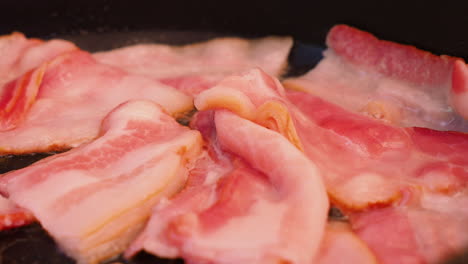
(20, 54)
(365, 163)
(95, 199)
(60, 104)
(196, 67)
(12, 215)
(428, 231)
(341, 245)
(254, 199)
(389, 81)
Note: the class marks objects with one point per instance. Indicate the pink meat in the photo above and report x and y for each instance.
(93, 200)
(246, 203)
(12, 215)
(396, 83)
(379, 163)
(426, 232)
(20, 54)
(196, 67)
(421, 174)
(60, 104)
(341, 245)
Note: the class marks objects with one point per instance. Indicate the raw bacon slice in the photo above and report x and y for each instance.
(341, 246)
(365, 162)
(60, 104)
(196, 67)
(427, 232)
(96, 198)
(256, 199)
(20, 54)
(459, 90)
(379, 164)
(389, 81)
(418, 175)
(12, 215)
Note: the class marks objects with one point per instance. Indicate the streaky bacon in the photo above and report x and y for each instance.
(340, 246)
(20, 54)
(60, 104)
(393, 82)
(379, 164)
(429, 231)
(419, 173)
(93, 200)
(12, 216)
(254, 200)
(196, 67)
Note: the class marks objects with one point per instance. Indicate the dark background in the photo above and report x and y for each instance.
(439, 26)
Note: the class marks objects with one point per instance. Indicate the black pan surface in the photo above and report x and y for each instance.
(106, 24)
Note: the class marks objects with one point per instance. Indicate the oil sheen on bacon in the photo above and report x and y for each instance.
(93, 200)
(244, 202)
(196, 67)
(396, 83)
(60, 104)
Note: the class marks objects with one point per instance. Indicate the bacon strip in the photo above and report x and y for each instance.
(20, 54)
(96, 198)
(196, 67)
(426, 232)
(365, 162)
(340, 246)
(12, 216)
(414, 174)
(239, 188)
(396, 83)
(60, 105)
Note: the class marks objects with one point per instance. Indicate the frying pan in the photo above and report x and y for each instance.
(104, 24)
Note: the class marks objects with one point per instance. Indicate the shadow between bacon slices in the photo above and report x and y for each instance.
(366, 164)
(397, 83)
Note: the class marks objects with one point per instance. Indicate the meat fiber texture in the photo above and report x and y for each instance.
(196, 67)
(366, 164)
(393, 82)
(257, 188)
(94, 200)
(60, 104)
